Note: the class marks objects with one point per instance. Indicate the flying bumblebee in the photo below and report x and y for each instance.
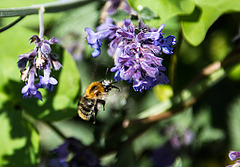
(94, 95)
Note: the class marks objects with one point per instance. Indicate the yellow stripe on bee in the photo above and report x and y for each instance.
(83, 116)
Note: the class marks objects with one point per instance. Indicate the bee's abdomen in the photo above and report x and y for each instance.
(85, 108)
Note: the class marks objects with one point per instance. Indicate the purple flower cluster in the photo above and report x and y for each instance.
(136, 51)
(80, 155)
(234, 155)
(39, 59)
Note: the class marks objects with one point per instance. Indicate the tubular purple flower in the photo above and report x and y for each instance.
(31, 90)
(108, 23)
(166, 44)
(94, 40)
(47, 81)
(156, 35)
(233, 155)
(97, 48)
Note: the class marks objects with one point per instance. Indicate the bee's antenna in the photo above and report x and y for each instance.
(106, 72)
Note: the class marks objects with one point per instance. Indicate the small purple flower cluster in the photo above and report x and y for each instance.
(234, 155)
(80, 155)
(166, 154)
(136, 51)
(40, 58)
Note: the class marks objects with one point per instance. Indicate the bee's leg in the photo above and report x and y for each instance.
(101, 102)
(94, 112)
(94, 118)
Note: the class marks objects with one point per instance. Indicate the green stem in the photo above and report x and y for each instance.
(49, 8)
(56, 130)
(12, 24)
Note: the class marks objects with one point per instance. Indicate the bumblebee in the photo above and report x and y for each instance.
(94, 95)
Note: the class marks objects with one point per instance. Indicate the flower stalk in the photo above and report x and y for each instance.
(41, 22)
(53, 7)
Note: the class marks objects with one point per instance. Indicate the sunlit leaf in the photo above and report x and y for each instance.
(20, 141)
(207, 12)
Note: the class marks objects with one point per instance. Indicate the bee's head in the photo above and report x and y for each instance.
(108, 85)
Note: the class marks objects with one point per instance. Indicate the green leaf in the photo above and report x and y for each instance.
(207, 12)
(164, 8)
(119, 15)
(148, 14)
(19, 141)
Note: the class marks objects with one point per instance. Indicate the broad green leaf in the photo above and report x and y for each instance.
(164, 8)
(19, 140)
(207, 12)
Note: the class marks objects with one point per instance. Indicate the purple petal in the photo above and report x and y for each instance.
(45, 48)
(92, 36)
(53, 81)
(34, 38)
(151, 71)
(38, 95)
(233, 155)
(56, 64)
(96, 52)
(24, 89)
(127, 74)
(53, 40)
(106, 25)
(124, 34)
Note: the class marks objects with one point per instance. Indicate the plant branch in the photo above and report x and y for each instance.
(56, 130)
(12, 24)
(49, 8)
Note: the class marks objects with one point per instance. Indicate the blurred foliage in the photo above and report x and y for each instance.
(204, 30)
